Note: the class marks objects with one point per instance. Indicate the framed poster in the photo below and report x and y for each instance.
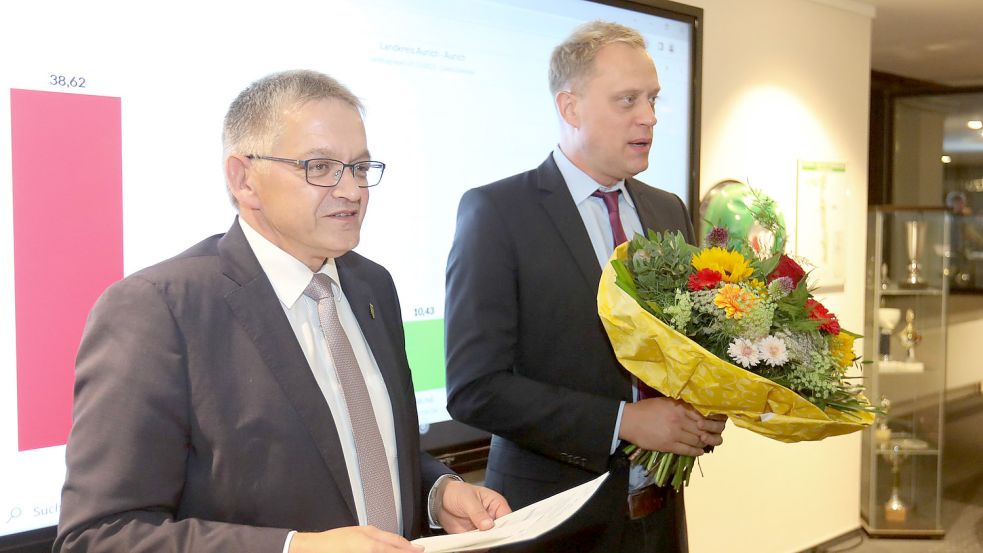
(820, 202)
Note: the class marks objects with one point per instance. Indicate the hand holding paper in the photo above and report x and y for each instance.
(525, 524)
(465, 507)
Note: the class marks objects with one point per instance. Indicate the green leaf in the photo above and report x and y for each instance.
(624, 280)
(853, 335)
(652, 307)
(768, 265)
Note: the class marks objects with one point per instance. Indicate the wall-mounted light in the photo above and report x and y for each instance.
(946, 159)
(975, 124)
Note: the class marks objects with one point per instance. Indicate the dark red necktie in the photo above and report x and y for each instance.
(614, 217)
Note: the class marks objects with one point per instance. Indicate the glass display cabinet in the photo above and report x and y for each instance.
(908, 278)
(966, 263)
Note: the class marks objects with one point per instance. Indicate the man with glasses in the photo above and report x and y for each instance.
(253, 393)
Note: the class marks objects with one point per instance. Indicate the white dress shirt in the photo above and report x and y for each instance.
(290, 278)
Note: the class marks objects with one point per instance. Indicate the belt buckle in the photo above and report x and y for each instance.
(644, 502)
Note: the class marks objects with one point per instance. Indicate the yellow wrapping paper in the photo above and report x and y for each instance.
(680, 368)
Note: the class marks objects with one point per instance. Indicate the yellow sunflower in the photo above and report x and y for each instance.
(730, 264)
(735, 301)
(841, 347)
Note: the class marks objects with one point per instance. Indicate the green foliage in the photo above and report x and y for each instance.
(765, 213)
(624, 279)
(764, 267)
(660, 263)
(680, 312)
(791, 312)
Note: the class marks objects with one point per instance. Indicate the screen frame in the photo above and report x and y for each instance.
(39, 540)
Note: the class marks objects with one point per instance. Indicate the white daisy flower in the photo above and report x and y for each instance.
(744, 352)
(772, 351)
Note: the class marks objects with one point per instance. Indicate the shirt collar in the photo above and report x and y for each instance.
(581, 184)
(288, 275)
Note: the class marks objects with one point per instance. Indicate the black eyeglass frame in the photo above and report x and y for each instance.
(305, 163)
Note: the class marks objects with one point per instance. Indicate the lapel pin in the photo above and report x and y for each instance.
(371, 311)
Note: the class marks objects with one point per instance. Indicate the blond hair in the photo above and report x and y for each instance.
(253, 122)
(571, 61)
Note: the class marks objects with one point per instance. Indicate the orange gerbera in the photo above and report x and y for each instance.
(735, 301)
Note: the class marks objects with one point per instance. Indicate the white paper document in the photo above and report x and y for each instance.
(525, 524)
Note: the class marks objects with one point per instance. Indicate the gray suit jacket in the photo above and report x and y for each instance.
(527, 356)
(198, 425)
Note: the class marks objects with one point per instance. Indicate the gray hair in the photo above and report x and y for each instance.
(252, 124)
(572, 59)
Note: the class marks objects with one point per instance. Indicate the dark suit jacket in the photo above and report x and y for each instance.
(527, 356)
(198, 425)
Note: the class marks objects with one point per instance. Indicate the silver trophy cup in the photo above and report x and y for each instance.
(914, 244)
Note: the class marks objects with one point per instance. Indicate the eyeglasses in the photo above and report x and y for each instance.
(328, 172)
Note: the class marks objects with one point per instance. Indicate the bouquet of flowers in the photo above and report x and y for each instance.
(731, 328)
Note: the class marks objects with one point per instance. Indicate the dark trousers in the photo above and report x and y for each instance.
(663, 531)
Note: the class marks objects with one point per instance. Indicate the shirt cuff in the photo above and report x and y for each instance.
(617, 429)
(433, 502)
(286, 543)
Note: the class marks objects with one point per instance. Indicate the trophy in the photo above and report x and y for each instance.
(895, 510)
(897, 451)
(887, 320)
(914, 244)
(885, 281)
(909, 336)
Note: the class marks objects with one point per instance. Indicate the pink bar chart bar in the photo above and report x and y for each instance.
(68, 243)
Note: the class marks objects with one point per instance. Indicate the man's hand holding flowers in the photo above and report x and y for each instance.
(670, 425)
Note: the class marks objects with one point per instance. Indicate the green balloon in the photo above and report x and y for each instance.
(728, 204)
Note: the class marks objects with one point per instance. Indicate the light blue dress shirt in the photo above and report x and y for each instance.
(595, 215)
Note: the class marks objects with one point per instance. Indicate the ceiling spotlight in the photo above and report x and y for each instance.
(975, 124)
(946, 159)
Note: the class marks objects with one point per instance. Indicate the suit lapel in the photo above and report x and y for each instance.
(660, 211)
(556, 200)
(370, 316)
(645, 210)
(256, 307)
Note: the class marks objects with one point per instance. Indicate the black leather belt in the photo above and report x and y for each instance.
(647, 500)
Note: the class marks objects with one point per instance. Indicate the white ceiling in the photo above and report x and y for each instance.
(931, 40)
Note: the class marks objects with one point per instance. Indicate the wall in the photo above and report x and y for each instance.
(784, 80)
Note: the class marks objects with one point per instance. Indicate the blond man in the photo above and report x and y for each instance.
(527, 357)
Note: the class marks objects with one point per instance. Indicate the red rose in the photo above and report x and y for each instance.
(827, 321)
(787, 267)
(704, 279)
